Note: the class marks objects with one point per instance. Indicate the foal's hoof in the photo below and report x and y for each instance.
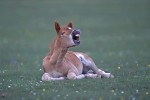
(111, 76)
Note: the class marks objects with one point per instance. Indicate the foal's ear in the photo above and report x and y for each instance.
(70, 24)
(57, 27)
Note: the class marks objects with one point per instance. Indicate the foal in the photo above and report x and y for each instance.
(60, 63)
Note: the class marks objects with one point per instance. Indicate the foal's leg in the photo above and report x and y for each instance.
(88, 64)
(99, 72)
(91, 75)
(72, 76)
(47, 77)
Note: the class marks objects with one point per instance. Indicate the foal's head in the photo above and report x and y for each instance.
(68, 36)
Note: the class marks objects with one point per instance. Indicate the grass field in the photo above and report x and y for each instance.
(115, 33)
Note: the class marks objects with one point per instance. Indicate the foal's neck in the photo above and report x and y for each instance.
(58, 52)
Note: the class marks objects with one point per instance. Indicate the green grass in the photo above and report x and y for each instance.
(116, 34)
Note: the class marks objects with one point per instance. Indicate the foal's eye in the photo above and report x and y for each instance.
(62, 33)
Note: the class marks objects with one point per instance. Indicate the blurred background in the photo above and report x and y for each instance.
(115, 33)
(108, 27)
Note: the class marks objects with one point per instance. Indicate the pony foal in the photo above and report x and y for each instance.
(60, 63)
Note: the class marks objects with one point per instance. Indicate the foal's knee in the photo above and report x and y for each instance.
(45, 77)
(71, 76)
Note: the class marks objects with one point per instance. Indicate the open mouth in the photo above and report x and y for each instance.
(76, 36)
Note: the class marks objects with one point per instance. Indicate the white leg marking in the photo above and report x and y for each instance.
(80, 76)
(90, 75)
(107, 75)
(47, 77)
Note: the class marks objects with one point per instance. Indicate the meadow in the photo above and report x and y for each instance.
(115, 33)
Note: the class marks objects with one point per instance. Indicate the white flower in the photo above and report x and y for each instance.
(122, 92)
(9, 86)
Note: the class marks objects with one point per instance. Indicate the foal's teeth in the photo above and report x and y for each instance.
(77, 35)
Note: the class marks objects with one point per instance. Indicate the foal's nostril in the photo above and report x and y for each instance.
(76, 31)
